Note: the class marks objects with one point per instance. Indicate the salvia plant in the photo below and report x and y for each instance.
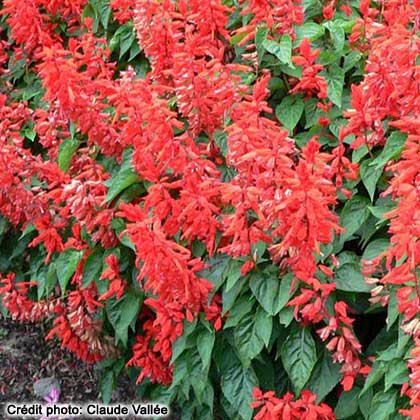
(221, 197)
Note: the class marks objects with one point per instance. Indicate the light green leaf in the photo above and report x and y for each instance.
(66, 151)
(337, 35)
(282, 50)
(123, 179)
(335, 80)
(383, 405)
(310, 30)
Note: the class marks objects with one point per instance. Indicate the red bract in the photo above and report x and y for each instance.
(179, 193)
(286, 408)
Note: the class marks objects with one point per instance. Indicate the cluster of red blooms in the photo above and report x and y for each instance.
(286, 408)
(16, 301)
(279, 195)
(389, 95)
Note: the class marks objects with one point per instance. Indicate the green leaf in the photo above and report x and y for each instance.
(397, 374)
(107, 385)
(310, 30)
(392, 149)
(392, 314)
(121, 313)
(370, 176)
(242, 307)
(104, 12)
(92, 268)
(354, 215)
(126, 39)
(375, 375)
(271, 292)
(379, 211)
(351, 60)
(383, 405)
(348, 403)
(260, 37)
(324, 377)
(123, 179)
(247, 339)
(205, 343)
(282, 50)
(349, 278)
(335, 80)
(337, 35)
(233, 274)
(237, 383)
(365, 402)
(66, 151)
(264, 325)
(66, 265)
(375, 248)
(290, 110)
(286, 50)
(298, 354)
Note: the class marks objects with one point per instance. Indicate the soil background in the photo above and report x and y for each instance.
(25, 357)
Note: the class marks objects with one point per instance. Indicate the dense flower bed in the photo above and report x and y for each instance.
(222, 196)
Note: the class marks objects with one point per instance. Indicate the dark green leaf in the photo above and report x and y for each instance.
(66, 265)
(289, 111)
(247, 339)
(237, 384)
(205, 343)
(354, 215)
(271, 292)
(397, 373)
(298, 355)
(375, 375)
(370, 176)
(107, 385)
(348, 403)
(392, 149)
(324, 377)
(121, 313)
(259, 41)
(92, 268)
(349, 278)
